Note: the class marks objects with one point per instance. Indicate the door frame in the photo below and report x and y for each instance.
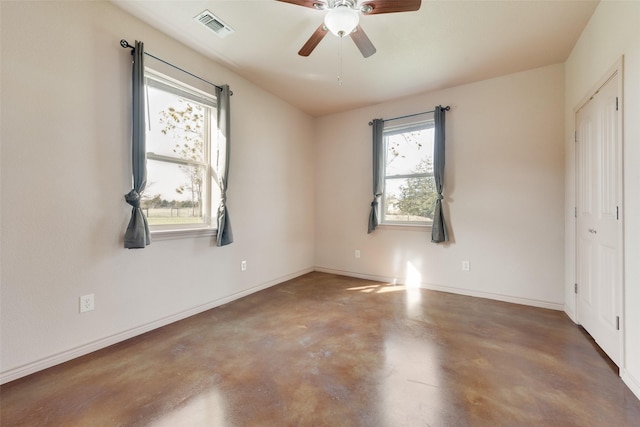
(618, 67)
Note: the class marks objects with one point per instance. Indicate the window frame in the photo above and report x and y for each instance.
(157, 80)
(386, 133)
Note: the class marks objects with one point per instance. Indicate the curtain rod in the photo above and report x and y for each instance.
(125, 44)
(447, 108)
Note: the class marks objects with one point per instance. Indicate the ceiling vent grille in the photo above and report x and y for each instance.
(214, 23)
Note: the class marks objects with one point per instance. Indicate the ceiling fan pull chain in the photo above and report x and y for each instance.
(340, 74)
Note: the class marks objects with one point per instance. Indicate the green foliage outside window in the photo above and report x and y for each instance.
(418, 196)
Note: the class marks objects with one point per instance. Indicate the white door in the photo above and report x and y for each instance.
(599, 225)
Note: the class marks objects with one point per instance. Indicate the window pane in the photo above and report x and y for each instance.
(179, 137)
(178, 197)
(176, 127)
(409, 152)
(409, 199)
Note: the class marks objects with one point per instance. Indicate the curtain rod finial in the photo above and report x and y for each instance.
(125, 44)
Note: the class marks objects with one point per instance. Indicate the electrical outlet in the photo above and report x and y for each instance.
(357, 253)
(86, 303)
(243, 266)
(466, 266)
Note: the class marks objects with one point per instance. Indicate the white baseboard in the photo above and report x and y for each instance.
(56, 359)
(632, 382)
(459, 291)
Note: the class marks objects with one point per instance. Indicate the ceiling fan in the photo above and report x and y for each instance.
(343, 16)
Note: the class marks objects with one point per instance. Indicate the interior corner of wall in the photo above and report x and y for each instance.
(571, 313)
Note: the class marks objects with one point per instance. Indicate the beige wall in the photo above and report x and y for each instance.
(612, 32)
(504, 189)
(65, 169)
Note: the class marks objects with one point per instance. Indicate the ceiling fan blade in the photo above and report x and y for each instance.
(313, 41)
(390, 6)
(362, 41)
(313, 4)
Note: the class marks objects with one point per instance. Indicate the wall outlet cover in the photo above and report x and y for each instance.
(87, 303)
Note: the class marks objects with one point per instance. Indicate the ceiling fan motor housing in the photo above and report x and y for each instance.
(351, 4)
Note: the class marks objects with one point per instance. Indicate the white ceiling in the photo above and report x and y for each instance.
(446, 43)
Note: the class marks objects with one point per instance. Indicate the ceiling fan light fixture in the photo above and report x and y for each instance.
(342, 20)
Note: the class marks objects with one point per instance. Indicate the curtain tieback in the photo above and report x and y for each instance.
(374, 203)
(440, 196)
(133, 198)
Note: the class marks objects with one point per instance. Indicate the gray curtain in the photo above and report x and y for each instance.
(137, 234)
(439, 230)
(225, 235)
(378, 172)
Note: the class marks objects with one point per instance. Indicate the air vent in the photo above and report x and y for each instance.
(214, 23)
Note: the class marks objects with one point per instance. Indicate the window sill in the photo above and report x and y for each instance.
(406, 227)
(157, 235)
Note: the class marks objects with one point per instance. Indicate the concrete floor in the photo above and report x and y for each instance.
(326, 350)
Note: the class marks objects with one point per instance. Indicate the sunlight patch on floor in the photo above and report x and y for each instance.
(206, 409)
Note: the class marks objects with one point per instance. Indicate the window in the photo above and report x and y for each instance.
(180, 143)
(409, 192)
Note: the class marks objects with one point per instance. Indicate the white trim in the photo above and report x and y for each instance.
(405, 226)
(631, 382)
(56, 359)
(158, 235)
(459, 291)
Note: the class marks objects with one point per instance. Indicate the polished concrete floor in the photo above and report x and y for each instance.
(326, 350)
